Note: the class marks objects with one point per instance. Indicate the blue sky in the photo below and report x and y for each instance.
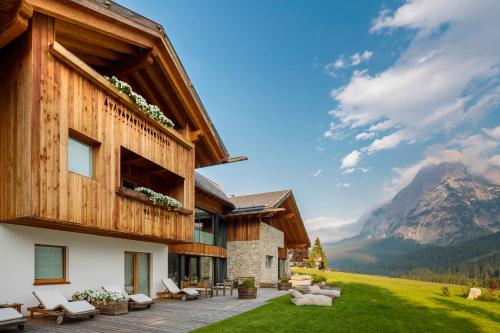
(341, 101)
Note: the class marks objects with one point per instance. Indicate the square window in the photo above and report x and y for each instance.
(80, 157)
(269, 261)
(50, 264)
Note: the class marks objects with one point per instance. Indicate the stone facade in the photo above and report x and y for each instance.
(250, 258)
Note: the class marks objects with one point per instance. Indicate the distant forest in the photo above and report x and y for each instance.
(474, 260)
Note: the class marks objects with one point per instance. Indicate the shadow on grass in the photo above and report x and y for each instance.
(362, 308)
(475, 310)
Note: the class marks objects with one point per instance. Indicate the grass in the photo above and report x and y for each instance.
(371, 304)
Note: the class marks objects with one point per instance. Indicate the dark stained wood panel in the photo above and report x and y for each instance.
(198, 249)
(243, 230)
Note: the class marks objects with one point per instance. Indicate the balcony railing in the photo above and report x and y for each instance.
(203, 237)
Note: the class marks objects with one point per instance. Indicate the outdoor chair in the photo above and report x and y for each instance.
(10, 317)
(53, 303)
(136, 301)
(172, 290)
(227, 284)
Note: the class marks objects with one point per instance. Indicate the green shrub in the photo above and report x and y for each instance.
(316, 278)
(445, 291)
(248, 284)
(488, 296)
(466, 289)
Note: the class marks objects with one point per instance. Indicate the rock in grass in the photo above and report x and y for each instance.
(474, 293)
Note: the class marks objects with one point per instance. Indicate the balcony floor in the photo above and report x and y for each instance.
(166, 316)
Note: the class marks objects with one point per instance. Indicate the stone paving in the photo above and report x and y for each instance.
(174, 316)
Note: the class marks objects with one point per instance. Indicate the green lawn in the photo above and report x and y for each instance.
(371, 304)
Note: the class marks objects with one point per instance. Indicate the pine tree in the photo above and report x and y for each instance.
(318, 255)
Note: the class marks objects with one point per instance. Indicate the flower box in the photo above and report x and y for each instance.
(247, 293)
(112, 309)
(284, 286)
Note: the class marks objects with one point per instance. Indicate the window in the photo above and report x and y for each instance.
(137, 273)
(80, 157)
(269, 261)
(50, 264)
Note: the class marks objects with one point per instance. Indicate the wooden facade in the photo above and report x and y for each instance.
(53, 55)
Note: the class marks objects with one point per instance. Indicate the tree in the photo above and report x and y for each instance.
(317, 257)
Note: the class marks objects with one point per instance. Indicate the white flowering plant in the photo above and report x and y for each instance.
(158, 198)
(151, 110)
(100, 296)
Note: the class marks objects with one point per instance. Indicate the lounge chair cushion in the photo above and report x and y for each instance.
(330, 293)
(311, 299)
(50, 299)
(295, 294)
(8, 314)
(77, 307)
(140, 298)
(190, 291)
(170, 285)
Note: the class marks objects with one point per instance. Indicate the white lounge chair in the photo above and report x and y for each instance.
(172, 290)
(316, 290)
(10, 317)
(135, 300)
(53, 303)
(309, 299)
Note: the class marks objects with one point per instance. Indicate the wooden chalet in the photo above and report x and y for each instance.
(73, 148)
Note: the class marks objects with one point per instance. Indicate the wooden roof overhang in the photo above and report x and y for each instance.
(283, 215)
(116, 41)
(225, 204)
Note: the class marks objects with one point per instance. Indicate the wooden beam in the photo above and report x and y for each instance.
(14, 22)
(195, 135)
(235, 159)
(131, 65)
(79, 46)
(90, 36)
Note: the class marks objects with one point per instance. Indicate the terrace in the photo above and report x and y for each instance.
(165, 316)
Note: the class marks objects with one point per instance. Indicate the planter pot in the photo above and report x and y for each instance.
(112, 309)
(284, 286)
(247, 293)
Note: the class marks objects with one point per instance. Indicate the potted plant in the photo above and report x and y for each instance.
(247, 290)
(284, 284)
(110, 303)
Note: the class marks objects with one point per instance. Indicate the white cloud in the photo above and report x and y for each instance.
(477, 152)
(344, 185)
(351, 159)
(332, 228)
(364, 170)
(348, 171)
(355, 59)
(364, 136)
(387, 142)
(448, 74)
(358, 58)
(317, 173)
(493, 132)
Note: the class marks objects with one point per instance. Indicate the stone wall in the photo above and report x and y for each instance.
(248, 258)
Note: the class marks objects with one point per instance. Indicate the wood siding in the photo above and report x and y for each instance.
(15, 128)
(64, 100)
(198, 249)
(243, 230)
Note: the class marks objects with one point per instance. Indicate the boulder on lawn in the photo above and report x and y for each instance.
(474, 293)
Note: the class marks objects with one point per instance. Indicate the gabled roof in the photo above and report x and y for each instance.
(259, 201)
(213, 189)
(114, 40)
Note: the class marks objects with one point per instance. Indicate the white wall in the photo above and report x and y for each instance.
(92, 261)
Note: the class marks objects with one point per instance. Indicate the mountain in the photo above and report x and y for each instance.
(443, 205)
(444, 227)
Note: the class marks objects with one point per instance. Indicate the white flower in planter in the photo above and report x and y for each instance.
(158, 198)
(151, 110)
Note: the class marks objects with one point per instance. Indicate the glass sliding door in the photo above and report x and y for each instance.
(143, 273)
(137, 273)
(129, 273)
